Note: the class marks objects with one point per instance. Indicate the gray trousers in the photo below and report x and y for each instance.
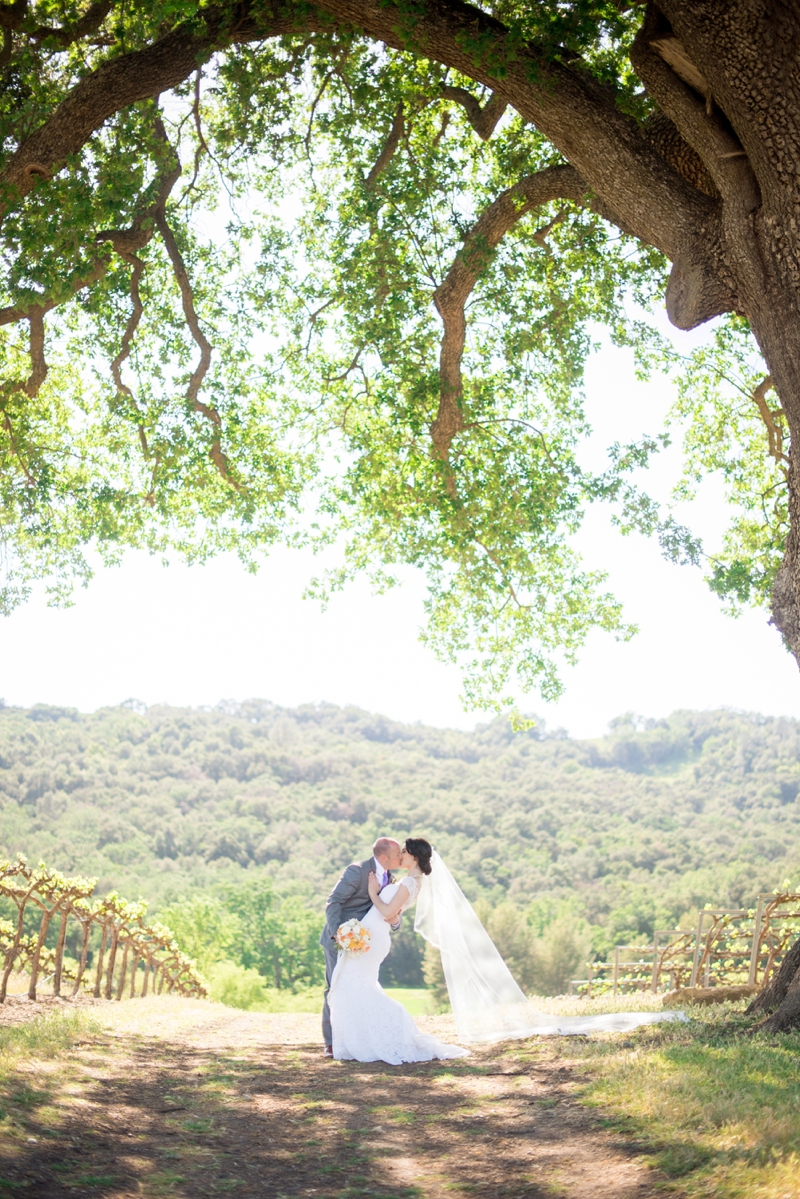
(331, 957)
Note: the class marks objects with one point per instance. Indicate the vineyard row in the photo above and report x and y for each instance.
(728, 947)
(40, 899)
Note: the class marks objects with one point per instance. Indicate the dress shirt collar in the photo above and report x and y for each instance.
(380, 870)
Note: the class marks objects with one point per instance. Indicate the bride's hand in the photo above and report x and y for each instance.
(374, 887)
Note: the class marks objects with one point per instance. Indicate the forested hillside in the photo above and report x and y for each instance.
(635, 828)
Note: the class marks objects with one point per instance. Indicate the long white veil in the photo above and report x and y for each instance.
(487, 1003)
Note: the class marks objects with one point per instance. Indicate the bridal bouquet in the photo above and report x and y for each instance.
(352, 937)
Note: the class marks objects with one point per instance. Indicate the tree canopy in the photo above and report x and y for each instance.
(331, 273)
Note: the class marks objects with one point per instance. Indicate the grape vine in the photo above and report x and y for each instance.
(126, 953)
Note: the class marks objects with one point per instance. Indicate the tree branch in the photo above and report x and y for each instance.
(137, 309)
(138, 75)
(664, 136)
(774, 431)
(718, 147)
(483, 120)
(390, 145)
(714, 30)
(90, 22)
(450, 298)
(12, 15)
(187, 300)
(576, 113)
(124, 242)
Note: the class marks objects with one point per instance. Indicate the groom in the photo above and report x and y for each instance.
(349, 900)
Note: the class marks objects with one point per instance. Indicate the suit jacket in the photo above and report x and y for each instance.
(349, 899)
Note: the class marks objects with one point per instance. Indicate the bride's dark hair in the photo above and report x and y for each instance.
(421, 850)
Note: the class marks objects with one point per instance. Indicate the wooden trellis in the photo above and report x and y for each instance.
(728, 946)
(673, 951)
(723, 944)
(126, 940)
(777, 923)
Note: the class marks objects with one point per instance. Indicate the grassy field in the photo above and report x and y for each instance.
(713, 1107)
(416, 1000)
(164, 1097)
(718, 1107)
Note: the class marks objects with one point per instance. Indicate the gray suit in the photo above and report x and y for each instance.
(349, 900)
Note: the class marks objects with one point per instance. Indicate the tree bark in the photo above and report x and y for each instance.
(134, 968)
(112, 957)
(123, 970)
(87, 932)
(98, 978)
(37, 953)
(62, 937)
(779, 1000)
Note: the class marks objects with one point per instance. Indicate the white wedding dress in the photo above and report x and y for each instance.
(368, 1025)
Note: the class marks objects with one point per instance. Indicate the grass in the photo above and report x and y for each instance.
(416, 1000)
(717, 1107)
(45, 1037)
(563, 1005)
(309, 1000)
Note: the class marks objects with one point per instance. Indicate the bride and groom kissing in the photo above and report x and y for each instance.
(360, 1022)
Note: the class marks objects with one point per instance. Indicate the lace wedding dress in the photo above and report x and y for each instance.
(368, 1025)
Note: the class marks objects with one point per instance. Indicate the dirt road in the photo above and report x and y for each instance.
(190, 1099)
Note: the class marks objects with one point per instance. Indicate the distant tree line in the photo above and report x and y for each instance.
(567, 847)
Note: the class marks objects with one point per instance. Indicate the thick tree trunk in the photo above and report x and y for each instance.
(772, 995)
(780, 999)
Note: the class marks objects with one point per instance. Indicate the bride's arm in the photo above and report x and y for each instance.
(391, 910)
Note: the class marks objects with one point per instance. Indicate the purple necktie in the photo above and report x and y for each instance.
(385, 879)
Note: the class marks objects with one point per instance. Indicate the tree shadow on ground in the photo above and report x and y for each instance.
(138, 1116)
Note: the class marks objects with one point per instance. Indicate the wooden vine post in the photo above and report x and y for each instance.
(53, 894)
(19, 894)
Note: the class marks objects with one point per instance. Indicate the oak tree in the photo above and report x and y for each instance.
(331, 272)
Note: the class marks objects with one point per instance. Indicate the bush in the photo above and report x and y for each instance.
(434, 979)
(236, 986)
(543, 965)
(559, 955)
(309, 1001)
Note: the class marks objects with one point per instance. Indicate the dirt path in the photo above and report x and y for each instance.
(193, 1100)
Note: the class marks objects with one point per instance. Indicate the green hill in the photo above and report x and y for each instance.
(633, 830)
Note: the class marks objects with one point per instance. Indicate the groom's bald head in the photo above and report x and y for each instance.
(387, 851)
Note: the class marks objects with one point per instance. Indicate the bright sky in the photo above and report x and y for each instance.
(197, 635)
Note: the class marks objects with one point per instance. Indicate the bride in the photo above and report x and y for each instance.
(488, 1005)
(368, 1025)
